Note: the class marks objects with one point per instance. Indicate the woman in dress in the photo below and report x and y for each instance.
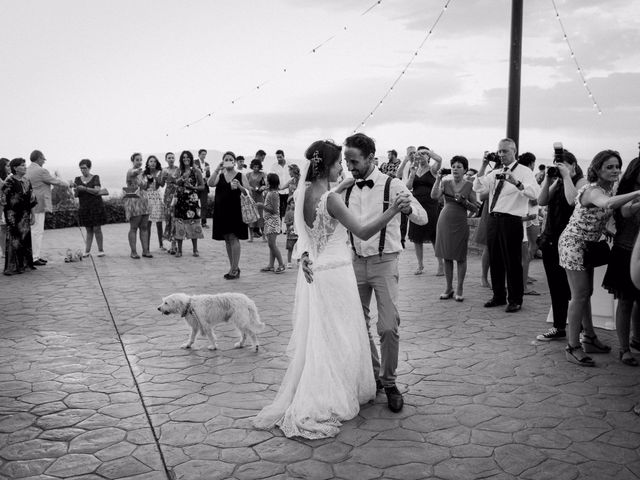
(558, 193)
(153, 174)
(329, 375)
(91, 212)
(618, 277)
(452, 234)
(5, 171)
(186, 214)
(227, 212)
(257, 184)
(594, 205)
(136, 207)
(421, 179)
(18, 199)
(169, 177)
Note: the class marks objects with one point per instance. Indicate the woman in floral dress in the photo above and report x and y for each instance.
(169, 177)
(153, 174)
(187, 204)
(18, 200)
(594, 205)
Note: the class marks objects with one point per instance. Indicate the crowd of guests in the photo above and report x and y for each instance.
(559, 213)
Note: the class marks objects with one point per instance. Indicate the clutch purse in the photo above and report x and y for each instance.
(131, 192)
(596, 254)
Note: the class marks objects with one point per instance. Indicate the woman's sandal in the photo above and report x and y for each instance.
(446, 296)
(591, 344)
(134, 255)
(419, 271)
(266, 269)
(196, 254)
(580, 358)
(627, 358)
(458, 298)
(178, 254)
(280, 269)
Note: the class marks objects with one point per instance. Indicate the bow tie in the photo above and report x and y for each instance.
(364, 183)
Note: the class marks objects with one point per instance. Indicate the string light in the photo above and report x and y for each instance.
(285, 69)
(575, 60)
(404, 70)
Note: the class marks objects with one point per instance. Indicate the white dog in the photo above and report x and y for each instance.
(202, 312)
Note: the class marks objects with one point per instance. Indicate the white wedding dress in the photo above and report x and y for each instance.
(330, 374)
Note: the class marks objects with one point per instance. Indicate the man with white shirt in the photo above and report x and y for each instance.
(41, 182)
(282, 170)
(375, 261)
(510, 188)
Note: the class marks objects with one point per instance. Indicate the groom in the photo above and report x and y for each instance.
(375, 261)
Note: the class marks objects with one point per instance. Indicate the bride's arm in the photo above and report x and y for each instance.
(338, 210)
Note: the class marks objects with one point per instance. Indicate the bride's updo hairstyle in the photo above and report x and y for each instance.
(322, 154)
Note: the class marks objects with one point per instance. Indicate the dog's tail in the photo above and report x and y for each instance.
(254, 316)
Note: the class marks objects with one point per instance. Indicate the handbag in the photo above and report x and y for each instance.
(131, 192)
(249, 210)
(596, 254)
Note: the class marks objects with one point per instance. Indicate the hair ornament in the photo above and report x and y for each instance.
(315, 161)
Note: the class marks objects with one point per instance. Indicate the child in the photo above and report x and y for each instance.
(271, 208)
(292, 236)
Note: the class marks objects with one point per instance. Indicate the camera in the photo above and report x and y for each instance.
(492, 157)
(558, 150)
(552, 172)
(501, 176)
(445, 171)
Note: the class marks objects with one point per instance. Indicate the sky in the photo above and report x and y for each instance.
(102, 79)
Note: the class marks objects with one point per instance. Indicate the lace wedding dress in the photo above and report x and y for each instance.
(330, 374)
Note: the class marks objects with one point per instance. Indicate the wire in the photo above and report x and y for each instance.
(284, 69)
(596, 106)
(404, 70)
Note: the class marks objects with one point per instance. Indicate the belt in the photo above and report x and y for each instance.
(506, 215)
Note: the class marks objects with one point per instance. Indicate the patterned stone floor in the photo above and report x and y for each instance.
(93, 384)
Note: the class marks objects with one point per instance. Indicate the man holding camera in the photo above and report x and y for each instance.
(510, 189)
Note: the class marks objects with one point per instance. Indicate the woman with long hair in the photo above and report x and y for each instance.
(257, 186)
(189, 184)
(595, 203)
(153, 174)
(618, 278)
(136, 207)
(330, 372)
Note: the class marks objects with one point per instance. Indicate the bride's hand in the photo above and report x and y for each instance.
(402, 202)
(346, 183)
(305, 263)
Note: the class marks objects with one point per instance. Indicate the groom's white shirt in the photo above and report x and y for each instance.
(366, 205)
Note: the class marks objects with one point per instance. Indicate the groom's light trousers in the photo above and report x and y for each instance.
(379, 275)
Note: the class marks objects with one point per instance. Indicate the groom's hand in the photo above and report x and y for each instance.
(306, 263)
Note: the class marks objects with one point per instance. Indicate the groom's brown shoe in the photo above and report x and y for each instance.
(395, 401)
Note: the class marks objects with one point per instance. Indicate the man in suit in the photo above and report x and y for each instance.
(41, 182)
(510, 188)
(203, 195)
(375, 261)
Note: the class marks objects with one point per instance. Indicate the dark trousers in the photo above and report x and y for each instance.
(504, 241)
(204, 198)
(404, 224)
(283, 204)
(558, 284)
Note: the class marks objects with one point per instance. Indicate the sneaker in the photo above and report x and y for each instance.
(552, 334)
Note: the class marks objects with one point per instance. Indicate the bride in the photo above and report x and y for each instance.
(330, 373)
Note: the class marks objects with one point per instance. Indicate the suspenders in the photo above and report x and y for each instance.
(385, 206)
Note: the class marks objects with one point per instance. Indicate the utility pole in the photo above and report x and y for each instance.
(515, 69)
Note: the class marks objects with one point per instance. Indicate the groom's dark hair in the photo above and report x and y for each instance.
(363, 143)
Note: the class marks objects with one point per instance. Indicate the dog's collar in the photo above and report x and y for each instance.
(186, 309)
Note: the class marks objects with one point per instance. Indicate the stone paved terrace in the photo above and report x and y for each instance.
(93, 384)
